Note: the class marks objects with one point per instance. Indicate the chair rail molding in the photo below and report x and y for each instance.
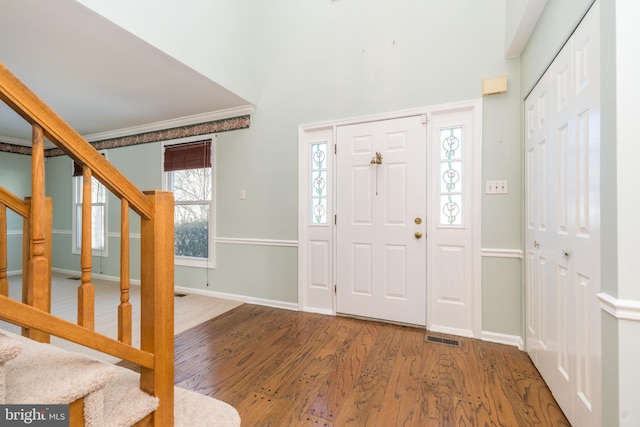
(624, 309)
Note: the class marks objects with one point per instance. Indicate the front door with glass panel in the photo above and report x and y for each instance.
(381, 228)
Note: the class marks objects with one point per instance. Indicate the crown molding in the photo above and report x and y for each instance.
(173, 123)
(150, 127)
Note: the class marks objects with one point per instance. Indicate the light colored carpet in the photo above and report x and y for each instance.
(190, 310)
(43, 374)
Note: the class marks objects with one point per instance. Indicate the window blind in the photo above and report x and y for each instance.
(193, 155)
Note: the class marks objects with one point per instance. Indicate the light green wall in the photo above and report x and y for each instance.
(305, 62)
(556, 24)
(15, 176)
(502, 300)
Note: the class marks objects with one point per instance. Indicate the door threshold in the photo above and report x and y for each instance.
(373, 319)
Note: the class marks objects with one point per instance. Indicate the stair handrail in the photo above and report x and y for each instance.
(156, 229)
(24, 102)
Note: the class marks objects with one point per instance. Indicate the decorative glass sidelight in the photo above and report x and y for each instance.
(451, 176)
(319, 183)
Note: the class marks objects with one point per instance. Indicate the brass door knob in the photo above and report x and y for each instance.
(418, 235)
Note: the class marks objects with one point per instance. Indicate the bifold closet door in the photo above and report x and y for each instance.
(562, 226)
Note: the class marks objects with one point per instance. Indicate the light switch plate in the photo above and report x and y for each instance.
(497, 187)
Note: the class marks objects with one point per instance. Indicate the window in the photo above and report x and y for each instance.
(451, 176)
(98, 213)
(319, 183)
(188, 174)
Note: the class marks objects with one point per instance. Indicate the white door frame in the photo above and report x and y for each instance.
(316, 251)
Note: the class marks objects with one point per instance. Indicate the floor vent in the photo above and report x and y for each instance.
(179, 295)
(439, 340)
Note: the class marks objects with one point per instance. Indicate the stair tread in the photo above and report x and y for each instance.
(45, 374)
(124, 402)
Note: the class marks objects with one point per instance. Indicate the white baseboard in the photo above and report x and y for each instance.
(186, 290)
(495, 337)
(94, 275)
(242, 298)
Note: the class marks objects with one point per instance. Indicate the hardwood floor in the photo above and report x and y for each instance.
(286, 368)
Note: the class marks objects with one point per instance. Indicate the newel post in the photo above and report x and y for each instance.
(156, 287)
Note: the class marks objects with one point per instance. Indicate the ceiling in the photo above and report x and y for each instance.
(95, 75)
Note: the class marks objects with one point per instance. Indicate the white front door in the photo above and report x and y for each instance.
(381, 227)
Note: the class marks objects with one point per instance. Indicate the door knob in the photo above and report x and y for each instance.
(418, 235)
(536, 244)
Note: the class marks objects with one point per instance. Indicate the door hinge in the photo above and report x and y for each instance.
(335, 148)
(335, 289)
(335, 219)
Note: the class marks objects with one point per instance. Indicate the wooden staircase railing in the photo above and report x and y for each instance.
(155, 208)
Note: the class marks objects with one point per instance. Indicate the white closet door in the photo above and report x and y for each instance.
(562, 234)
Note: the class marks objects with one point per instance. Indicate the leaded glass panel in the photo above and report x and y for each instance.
(319, 190)
(451, 176)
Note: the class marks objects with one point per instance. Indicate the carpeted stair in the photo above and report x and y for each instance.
(36, 373)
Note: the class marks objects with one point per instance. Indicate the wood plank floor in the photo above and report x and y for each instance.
(286, 368)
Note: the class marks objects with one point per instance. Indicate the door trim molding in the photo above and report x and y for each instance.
(316, 282)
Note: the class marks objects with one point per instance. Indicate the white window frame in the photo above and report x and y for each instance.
(76, 185)
(166, 186)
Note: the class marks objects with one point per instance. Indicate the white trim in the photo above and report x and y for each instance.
(20, 141)
(624, 309)
(449, 107)
(513, 340)
(14, 232)
(257, 242)
(307, 132)
(221, 240)
(135, 282)
(242, 298)
(502, 253)
(110, 235)
(173, 123)
(117, 235)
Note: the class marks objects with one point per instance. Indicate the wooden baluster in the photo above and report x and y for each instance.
(39, 274)
(4, 282)
(86, 290)
(124, 309)
(156, 311)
